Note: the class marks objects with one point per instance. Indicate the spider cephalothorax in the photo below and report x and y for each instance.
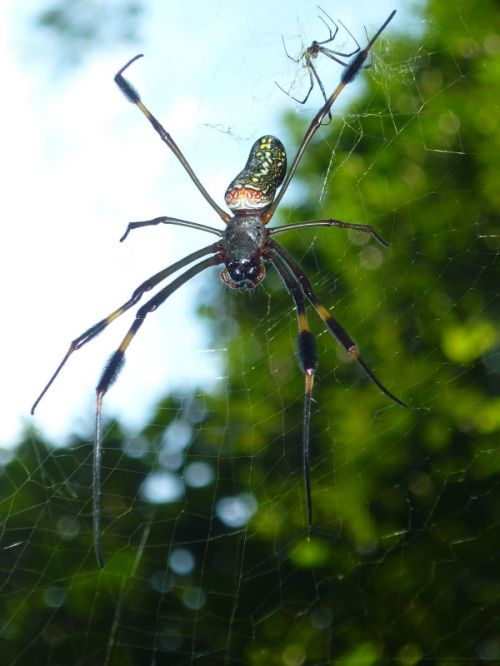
(243, 246)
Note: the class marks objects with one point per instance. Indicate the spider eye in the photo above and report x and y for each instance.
(243, 275)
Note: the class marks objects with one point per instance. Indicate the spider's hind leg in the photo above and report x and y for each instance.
(112, 370)
(307, 358)
(337, 331)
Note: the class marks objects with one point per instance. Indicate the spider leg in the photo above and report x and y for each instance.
(332, 36)
(310, 68)
(307, 358)
(169, 220)
(326, 41)
(333, 325)
(365, 228)
(110, 373)
(297, 60)
(133, 96)
(313, 75)
(356, 63)
(336, 55)
(348, 75)
(313, 72)
(94, 330)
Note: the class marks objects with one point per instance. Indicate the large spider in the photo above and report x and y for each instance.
(243, 246)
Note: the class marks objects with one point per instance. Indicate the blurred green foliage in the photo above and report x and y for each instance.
(403, 562)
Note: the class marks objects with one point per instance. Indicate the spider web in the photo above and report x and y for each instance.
(207, 555)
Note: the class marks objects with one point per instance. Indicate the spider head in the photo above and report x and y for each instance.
(255, 187)
(243, 274)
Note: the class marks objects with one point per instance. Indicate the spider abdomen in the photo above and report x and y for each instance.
(254, 187)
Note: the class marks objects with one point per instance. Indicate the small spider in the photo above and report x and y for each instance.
(242, 247)
(311, 53)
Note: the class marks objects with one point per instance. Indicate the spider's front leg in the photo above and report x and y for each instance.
(133, 96)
